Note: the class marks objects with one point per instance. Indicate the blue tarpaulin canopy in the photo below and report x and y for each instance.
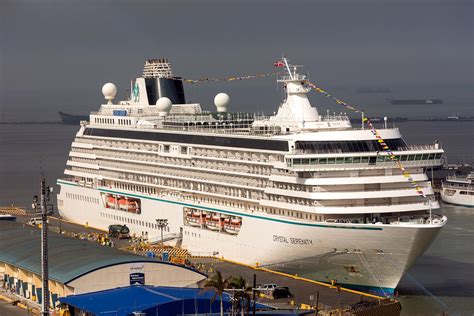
(148, 299)
(159, 300)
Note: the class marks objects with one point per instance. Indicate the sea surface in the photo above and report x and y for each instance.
(441, 280)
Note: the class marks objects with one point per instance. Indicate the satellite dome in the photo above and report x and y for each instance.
(163, 105)
(109, 90)
(222, 101)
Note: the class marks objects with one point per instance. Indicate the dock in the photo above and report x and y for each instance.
(306, 293)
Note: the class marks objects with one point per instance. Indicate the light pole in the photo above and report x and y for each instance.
(162, 223)
(43, 204)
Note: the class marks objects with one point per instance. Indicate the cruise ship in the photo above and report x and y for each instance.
(458, 190)
(296, 191)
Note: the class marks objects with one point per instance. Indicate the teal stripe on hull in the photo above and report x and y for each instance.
(381, 291)
(226, 211)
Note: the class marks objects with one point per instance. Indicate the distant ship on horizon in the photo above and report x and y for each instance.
(415, 101)
(67, 118)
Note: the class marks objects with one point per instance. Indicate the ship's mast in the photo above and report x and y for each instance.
(296, 112)
(288, 68)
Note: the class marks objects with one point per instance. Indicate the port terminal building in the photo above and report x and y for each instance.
(78, 266)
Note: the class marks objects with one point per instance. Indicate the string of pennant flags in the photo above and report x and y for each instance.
(207, 79)
(365, 119)
(377, 135)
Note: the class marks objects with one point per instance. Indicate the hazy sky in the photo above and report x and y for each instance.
(58, 54)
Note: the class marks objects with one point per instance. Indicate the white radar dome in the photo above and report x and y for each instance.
(109, 90)
(163, 105)
(222, 101)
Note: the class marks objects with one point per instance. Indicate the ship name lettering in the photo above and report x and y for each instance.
(280, 239)
(292, 240)
(299, 241)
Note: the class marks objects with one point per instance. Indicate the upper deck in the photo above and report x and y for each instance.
(296, 128)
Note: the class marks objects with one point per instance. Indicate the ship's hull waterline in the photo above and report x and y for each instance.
(369, 255)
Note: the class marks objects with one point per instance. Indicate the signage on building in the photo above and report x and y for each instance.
(137, 278)
(137, 273)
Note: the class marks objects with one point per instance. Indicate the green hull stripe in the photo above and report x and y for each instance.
(227, 212)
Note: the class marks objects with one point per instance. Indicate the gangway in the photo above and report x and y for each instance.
(167, 237)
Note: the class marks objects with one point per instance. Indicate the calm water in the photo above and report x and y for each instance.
(441, 280)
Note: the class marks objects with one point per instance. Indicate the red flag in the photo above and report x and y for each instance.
(279, 63)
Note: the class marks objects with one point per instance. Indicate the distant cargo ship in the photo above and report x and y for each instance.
(67, 118)
(415, 101)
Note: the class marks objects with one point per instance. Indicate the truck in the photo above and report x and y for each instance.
(119, 231)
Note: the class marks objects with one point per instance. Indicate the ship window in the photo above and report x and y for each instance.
(331, 161)
(348, 160)
(349, 146)
(184, 150)
(166, 148)
(314, 161)
(340, 160)
(380, 158)
(411, 157)
(403, 158)
(463, 192)
(418, 157)
(438, 156)
(364, 159)
(356, 159)
(424, 157)
(372, 160)
(305, 161)
(431, 156)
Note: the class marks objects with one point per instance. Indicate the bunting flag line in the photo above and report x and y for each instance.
(377, 135)
(228, 79)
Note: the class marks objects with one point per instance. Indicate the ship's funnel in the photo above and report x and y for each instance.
(160, 82)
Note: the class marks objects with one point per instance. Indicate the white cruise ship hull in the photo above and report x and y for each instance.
(454, 196)
(368, 255)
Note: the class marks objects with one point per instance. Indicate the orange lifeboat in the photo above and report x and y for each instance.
(213, 222)
(123, 204)
(128, 205)
(195, 218)
(232, 226)
(110, 201)
(132, 206)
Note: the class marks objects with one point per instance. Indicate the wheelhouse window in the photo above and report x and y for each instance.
(349, 146)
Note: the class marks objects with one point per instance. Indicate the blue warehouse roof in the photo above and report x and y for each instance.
(126, 300)
(69, 258)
